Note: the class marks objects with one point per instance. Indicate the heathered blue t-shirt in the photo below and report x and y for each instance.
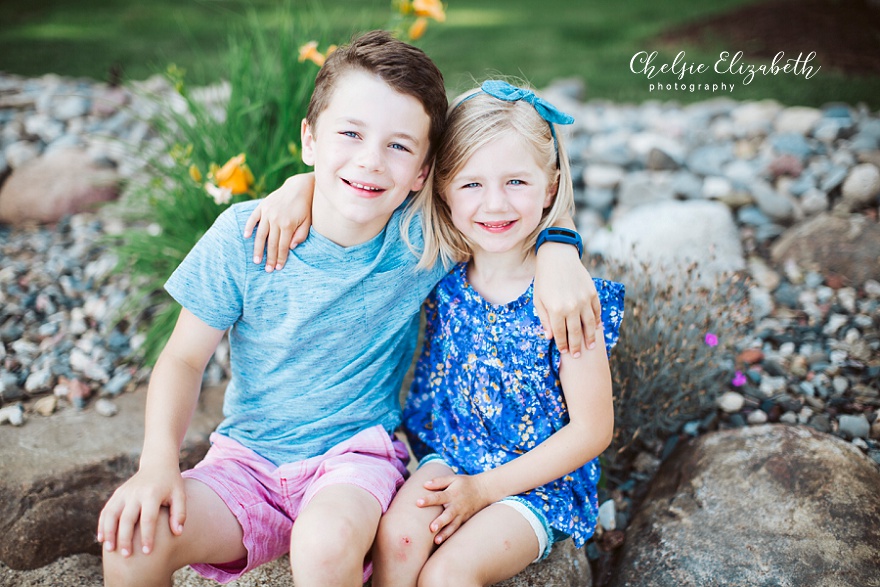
(318, 350)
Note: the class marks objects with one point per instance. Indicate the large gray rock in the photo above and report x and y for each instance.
(769, 505)
(847, 245)
(565, 567)
(59, 183)
(57, 472)
(673, 234)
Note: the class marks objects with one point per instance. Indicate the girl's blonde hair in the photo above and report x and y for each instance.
(475, 119)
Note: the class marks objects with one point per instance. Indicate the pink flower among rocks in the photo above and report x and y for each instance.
(738, 379)
(711, 339)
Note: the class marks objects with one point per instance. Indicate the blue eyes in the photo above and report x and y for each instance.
(474, 184)
(396, 146)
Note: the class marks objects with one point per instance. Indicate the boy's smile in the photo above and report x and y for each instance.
(368, 149)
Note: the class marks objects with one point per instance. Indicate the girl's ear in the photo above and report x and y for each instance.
(308, 143)
(552, 188)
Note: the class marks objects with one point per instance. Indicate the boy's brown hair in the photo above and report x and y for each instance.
(403, 67)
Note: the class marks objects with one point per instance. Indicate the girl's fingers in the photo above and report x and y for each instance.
(439, 482)
(300, 234)
(447, 531)
(432, 499)
(252, 221)
(272, 248)
(260, 241)
(284, 239)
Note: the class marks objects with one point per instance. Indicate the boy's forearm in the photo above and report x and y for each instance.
(171, 400)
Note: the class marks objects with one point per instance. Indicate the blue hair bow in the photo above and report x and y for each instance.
(504, 91)
(508, 93)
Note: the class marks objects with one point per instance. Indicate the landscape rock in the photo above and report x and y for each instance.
(750, 507)
(653, 232)
(60, 183)
(846, 245)
(51, 511)
(565, 567)
(797, 119)
(861, 187)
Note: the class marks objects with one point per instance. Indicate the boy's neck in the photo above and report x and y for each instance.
(343, 231)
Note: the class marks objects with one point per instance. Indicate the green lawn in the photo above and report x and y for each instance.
(540, 40)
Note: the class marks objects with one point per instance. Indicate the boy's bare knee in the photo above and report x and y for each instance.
(137, 569)
(326, 544)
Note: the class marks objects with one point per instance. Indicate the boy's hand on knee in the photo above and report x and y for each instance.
(461, 496)
(136, 504)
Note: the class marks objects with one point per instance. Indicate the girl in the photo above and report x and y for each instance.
(508, 429)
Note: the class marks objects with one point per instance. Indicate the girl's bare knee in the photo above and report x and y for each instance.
(434, 576)
(329, 544)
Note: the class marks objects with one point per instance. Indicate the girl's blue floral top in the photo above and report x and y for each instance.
(487, 390)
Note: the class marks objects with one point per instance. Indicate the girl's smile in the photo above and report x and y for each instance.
(498, 197)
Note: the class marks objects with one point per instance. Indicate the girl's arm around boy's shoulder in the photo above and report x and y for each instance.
(282, 220)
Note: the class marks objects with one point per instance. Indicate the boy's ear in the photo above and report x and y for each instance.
(308, 143)
(421, 178)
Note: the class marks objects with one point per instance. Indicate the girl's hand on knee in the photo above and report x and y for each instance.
(461, 496)
(282, 220)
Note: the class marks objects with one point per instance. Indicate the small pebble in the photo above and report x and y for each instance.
(608, 515)
(731, 402)
(106, 408)
(45, 406)
(13, 414)
(757, 417)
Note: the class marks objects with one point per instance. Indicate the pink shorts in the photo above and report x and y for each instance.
(267, 499)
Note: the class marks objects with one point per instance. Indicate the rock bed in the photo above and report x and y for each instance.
(813, 356)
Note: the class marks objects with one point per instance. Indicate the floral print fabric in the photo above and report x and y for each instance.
(487, 390)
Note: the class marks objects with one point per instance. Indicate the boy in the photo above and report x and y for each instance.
(305, 461)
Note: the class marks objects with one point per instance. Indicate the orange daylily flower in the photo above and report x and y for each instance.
(429, 8)
(235, 176)
(417, 29)
(310, 52)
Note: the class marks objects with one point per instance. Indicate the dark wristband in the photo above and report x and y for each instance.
(561, 235)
